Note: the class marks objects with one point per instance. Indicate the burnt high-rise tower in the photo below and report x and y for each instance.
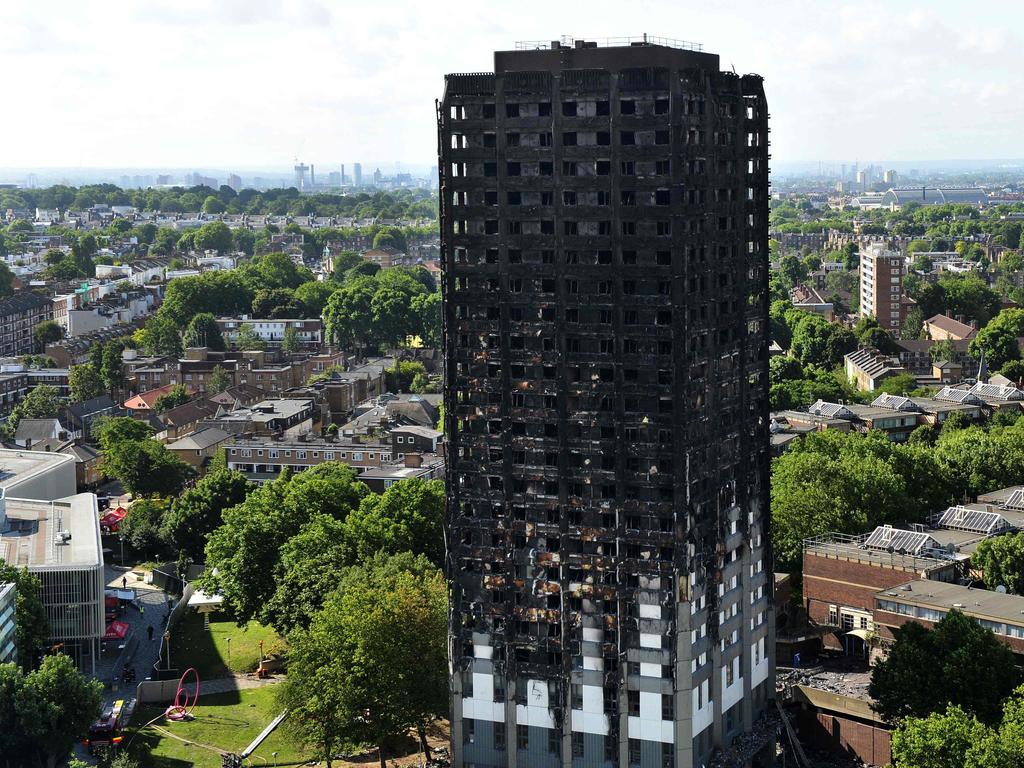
(605, 245)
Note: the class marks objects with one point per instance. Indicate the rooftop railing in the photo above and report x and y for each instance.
(568, 41)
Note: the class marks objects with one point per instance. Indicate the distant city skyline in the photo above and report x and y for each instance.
(260, 82)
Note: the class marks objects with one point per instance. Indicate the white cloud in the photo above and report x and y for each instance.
(242, 83)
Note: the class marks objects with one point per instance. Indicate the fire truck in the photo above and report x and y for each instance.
(107, 733)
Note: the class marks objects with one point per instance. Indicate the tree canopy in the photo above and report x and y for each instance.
(43, 713)
(246, 549)
(966, 665)
(145, 467)
(847, 482)
(373, 662)
(32, 627)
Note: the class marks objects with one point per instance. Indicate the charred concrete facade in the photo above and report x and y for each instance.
(604, 239)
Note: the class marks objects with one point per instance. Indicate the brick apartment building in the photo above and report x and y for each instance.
(881, 286)
(19, 316)
(842, 575)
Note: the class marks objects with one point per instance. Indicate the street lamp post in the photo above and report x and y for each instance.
(167, 644)
(229, 652)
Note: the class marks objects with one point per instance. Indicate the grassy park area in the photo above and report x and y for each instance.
(223, 721)
(230, 721)
(222, 650)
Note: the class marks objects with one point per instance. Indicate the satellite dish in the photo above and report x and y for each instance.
(1001, 589)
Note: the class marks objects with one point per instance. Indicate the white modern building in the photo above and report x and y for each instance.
(54, 532)
(309, 330)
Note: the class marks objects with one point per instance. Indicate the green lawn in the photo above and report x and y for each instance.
(211, 653)
(227, 721)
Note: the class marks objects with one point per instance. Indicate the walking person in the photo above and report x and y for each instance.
(124, 582)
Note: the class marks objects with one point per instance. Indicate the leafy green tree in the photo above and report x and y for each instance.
(175, 396)
(313, 296)
(198, 512)
(999, 339)
(141, 526)
(978, 461)
(343, 262)
(42, 402)
(275, 271)
(422, 384)
(248, 340)
(847, 482)
(407, 517)
(6, 276)
(218, 292)
(111, 430)
(43, 713)
(96, 357)
(243, 240)
(213, 236)
(291, 342)
(940, 740)
(47, 332)
(925, 434)
(901, 384)
(112, 371)
(164, 242)
(219, 381)
(1001, 561)
(427, 309)
(391, 237)
(310, 567)
(145, 468)
(203, 331)
(212, 204)
(162, 336)
(970, 296)
(391, 315)
(31, 625)
(819, 342)
(944, 350)
(913, 326)
(85, 383)
(275, 303)
(792, 269)
(970, 668)
(373, 662)
(246, 550)
(348, 315)
(399, 378)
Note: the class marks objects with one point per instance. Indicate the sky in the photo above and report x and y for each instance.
(242, 84)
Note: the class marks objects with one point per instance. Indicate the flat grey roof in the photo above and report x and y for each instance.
(31, 529)
(982, 603)
(19, 466)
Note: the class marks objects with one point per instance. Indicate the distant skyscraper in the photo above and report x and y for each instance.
(300, 175)
(890, 176)
(357, 174)
(235, 181)
(312, 176)
(377, 177)
(604, 231)
(342, 174)
(334, 179)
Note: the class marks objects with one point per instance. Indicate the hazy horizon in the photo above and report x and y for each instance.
(252, 84)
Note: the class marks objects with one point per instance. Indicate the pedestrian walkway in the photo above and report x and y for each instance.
(149, 610)
(236, 683)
